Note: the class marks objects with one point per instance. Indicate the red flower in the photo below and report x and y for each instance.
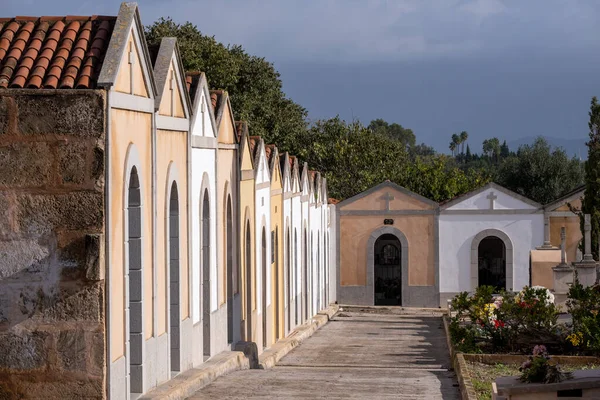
(498, 324)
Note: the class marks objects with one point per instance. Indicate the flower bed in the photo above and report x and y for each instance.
(485, 322)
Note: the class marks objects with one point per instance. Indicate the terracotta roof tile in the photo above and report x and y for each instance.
(192, 80)
(53, 52)
(333, 201)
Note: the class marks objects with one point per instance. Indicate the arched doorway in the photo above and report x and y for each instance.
(229, 269)
(249, 287)
(491, 266)
(388, 270)
(492, 260)
(264, 287)
(134, 279)
(173, 276)
(205, 240)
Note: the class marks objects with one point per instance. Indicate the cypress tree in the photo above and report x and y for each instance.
(591, 200)
(468, 154)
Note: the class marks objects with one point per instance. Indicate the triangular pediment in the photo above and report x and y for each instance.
(564, 203)
(387, 196)
(491, 197)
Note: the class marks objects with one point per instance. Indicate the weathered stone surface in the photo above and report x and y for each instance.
(72, 165)
(77, 304)
(23, 350)
(75, 210)
(71, 350)
(59, 113)
(98, 163)
(17, 256)
(97, 350)
(60, 388)
(8, 115)
(25, 164)
(94, 250)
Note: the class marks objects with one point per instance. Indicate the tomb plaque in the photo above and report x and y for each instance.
(388, 221)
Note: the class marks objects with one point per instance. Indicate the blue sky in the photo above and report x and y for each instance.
(505, 68)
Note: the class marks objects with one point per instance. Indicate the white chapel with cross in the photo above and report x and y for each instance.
(469, 228)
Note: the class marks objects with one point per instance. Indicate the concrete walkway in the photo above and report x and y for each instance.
(359, 354)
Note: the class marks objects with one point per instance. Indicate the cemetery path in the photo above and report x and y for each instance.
(360, 354)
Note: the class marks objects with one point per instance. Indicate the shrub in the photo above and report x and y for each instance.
(506, 323)
(583, 304)
(540, 369)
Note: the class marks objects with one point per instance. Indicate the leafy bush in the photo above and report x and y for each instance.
(505, 323)
(583, 304)
(540, 369)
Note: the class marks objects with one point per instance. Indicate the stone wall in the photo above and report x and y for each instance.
(52, 305)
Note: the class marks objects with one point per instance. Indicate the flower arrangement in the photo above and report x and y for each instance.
(484, 321)
(540, 369)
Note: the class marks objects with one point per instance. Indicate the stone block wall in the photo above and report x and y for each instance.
(52, 306)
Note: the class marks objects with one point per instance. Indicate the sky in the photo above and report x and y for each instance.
(503, 68)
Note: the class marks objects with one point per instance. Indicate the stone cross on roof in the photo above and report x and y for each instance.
(492, 197)
(387, 197)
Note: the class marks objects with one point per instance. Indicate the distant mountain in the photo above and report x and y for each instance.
(573, 146)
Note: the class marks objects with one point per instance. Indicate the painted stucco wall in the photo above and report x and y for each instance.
(573, 234)
(526, 231)
(296, 234)
(247, 215)
(263, 221)
(172, 156)
(354, 235)
(203, 173)
(135, 129)
(131, 76)
(481, 201)
(333, 254)
(227, 167)
(277, 263)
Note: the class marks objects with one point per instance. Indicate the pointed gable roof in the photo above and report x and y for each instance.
(273, 159)
(197, 85)
(168, 54)
(305, 179)
(569, 197)
(295, 174)
(128, 18)
(243, 137)
(519, 198)
(390, 185)
(285, 168)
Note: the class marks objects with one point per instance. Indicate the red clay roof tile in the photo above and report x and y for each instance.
(53, 52)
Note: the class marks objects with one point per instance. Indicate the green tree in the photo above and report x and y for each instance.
(591, 200)
(504, 151)
(253, 84)
(463, 138)
(468, 154)
(394, 131)
(456, 142)
(539, 172)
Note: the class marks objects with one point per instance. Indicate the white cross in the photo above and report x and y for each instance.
(131, 59)
(171, 87)
(492, 197)
(387, 197)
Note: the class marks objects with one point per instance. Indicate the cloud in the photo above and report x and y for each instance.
(359, 31)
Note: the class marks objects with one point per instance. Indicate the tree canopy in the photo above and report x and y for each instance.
(353, 157)
(253, 84)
